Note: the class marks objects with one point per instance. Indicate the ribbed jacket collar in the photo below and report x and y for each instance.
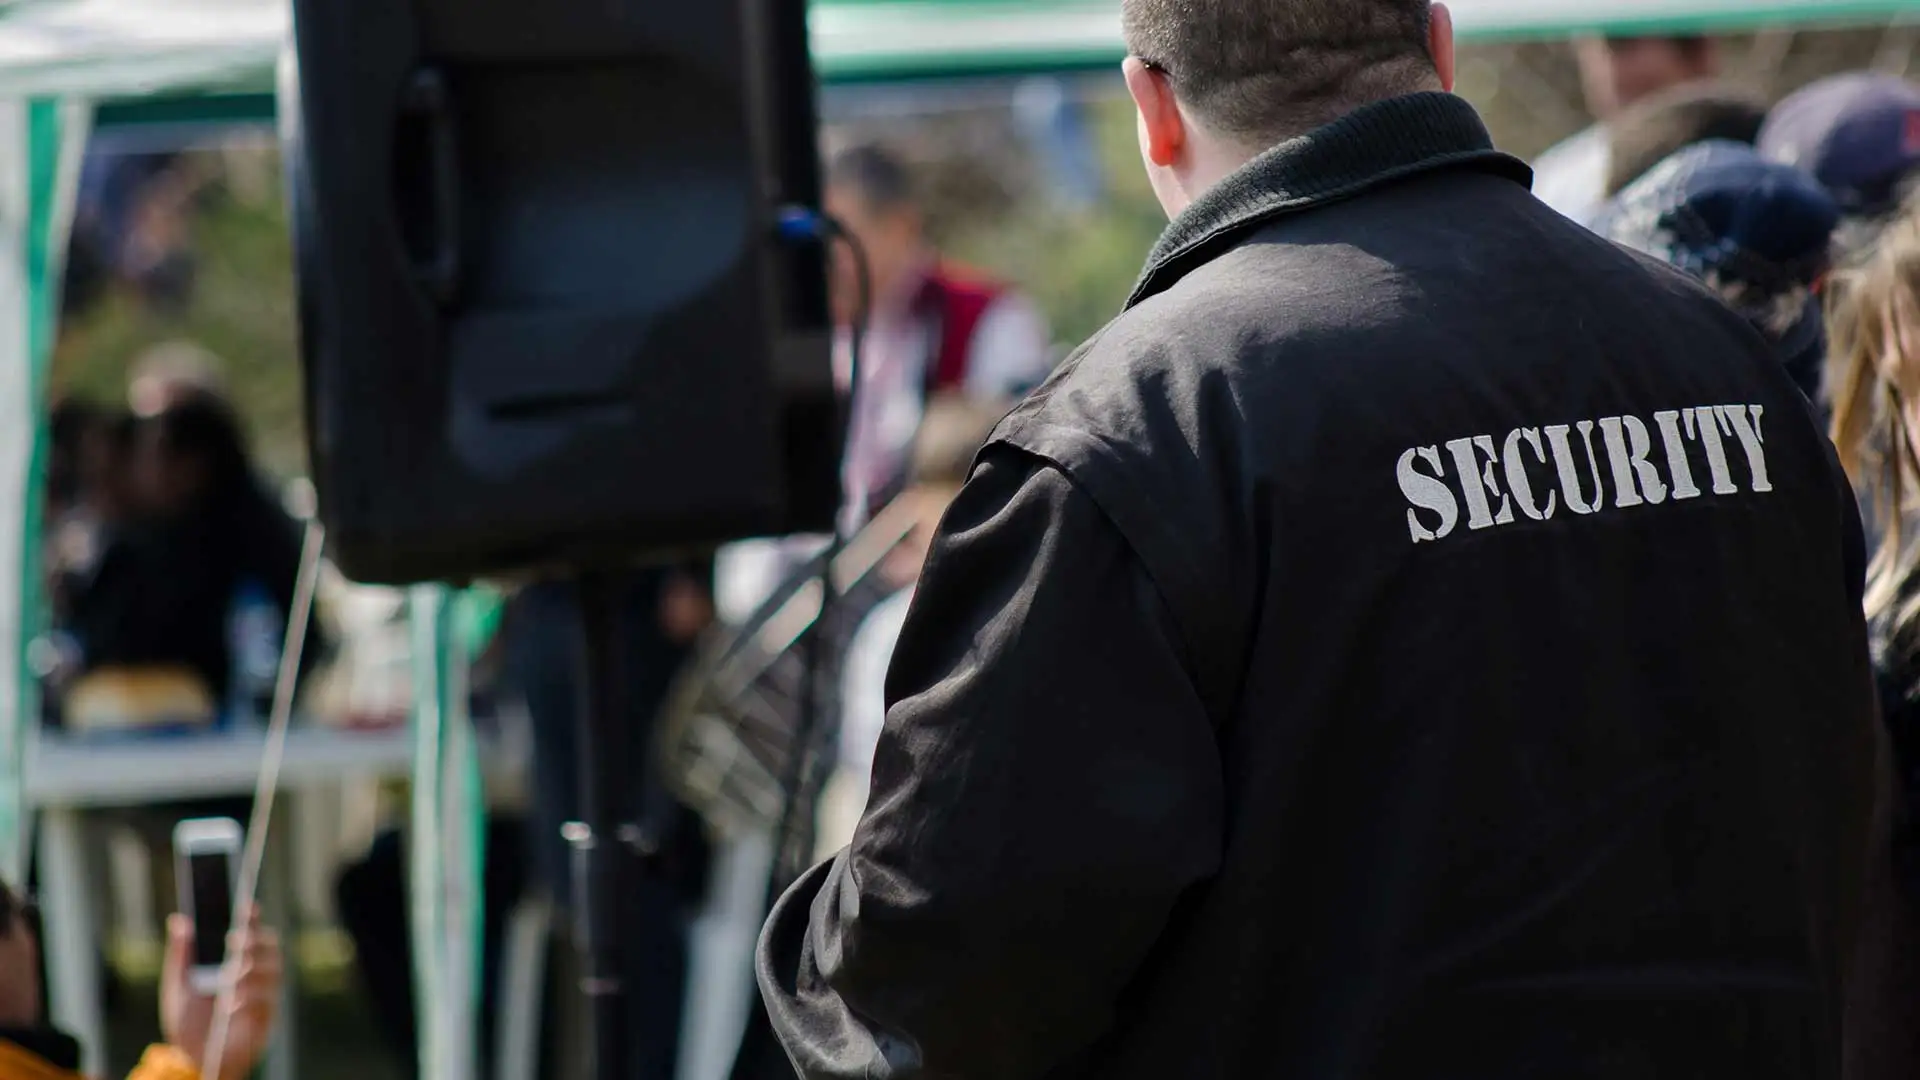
(1372, 145)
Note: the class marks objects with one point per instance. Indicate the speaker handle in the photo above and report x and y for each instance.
(429, 98)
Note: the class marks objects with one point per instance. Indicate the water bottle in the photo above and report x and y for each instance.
(254, 628)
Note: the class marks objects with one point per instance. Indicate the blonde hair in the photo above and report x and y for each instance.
(1872, 383)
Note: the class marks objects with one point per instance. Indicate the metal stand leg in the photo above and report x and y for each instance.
(600, 840)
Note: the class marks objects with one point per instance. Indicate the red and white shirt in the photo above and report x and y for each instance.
(937, 330)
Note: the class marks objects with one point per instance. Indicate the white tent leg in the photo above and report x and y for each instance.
(16, 463)
(73, 936)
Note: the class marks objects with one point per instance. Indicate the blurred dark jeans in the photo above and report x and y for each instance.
(541, 645)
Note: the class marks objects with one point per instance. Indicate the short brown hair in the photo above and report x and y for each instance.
(1663, 124)
(876, 174)
(951, 434)
(1257, 68)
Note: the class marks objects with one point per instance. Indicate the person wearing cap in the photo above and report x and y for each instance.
(1759, 234)
(1615, 74)
(1668, 122)
(1859, 135)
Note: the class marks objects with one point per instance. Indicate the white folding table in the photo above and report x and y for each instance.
(65, 777)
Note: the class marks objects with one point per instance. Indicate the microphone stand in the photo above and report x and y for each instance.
(607, 846)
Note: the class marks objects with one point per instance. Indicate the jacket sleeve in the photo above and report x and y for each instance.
(1046, 788)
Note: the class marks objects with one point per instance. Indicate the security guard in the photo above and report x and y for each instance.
(1417, 638)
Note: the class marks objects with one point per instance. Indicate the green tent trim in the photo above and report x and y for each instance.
(94, 47)
(37, 186)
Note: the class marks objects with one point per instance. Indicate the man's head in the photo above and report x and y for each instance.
(1218, 81)
(871, 192)
(1662, 124)
(1617, 72)
(170, 373)
(193, 454)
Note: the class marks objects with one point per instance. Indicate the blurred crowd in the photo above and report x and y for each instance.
(1805, 218)
(170, 565)
(132, 227)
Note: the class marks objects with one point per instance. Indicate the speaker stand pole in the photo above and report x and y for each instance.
(600, 840)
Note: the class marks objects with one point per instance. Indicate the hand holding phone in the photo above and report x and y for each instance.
(186, 1015)
(206, 855)
(201, 950)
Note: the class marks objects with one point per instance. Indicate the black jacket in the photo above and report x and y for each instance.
(1416, 639)
(164, 588)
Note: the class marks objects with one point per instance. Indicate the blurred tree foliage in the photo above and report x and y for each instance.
(1078, 266)
(242, 311)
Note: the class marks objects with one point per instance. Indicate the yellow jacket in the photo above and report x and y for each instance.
(160, 1062)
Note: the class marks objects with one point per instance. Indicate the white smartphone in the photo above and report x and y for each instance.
(206, 858)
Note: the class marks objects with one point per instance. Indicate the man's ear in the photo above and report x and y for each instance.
(1440, 44)
(1163, 129)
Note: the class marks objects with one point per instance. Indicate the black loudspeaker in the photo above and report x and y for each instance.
(546, 313)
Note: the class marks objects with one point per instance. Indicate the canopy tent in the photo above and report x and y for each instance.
(103, 49)
(66, 65)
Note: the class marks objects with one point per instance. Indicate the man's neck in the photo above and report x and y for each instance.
(1213, 164)
(1213, 157)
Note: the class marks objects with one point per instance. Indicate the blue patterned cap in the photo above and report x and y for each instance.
(1757, 232)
